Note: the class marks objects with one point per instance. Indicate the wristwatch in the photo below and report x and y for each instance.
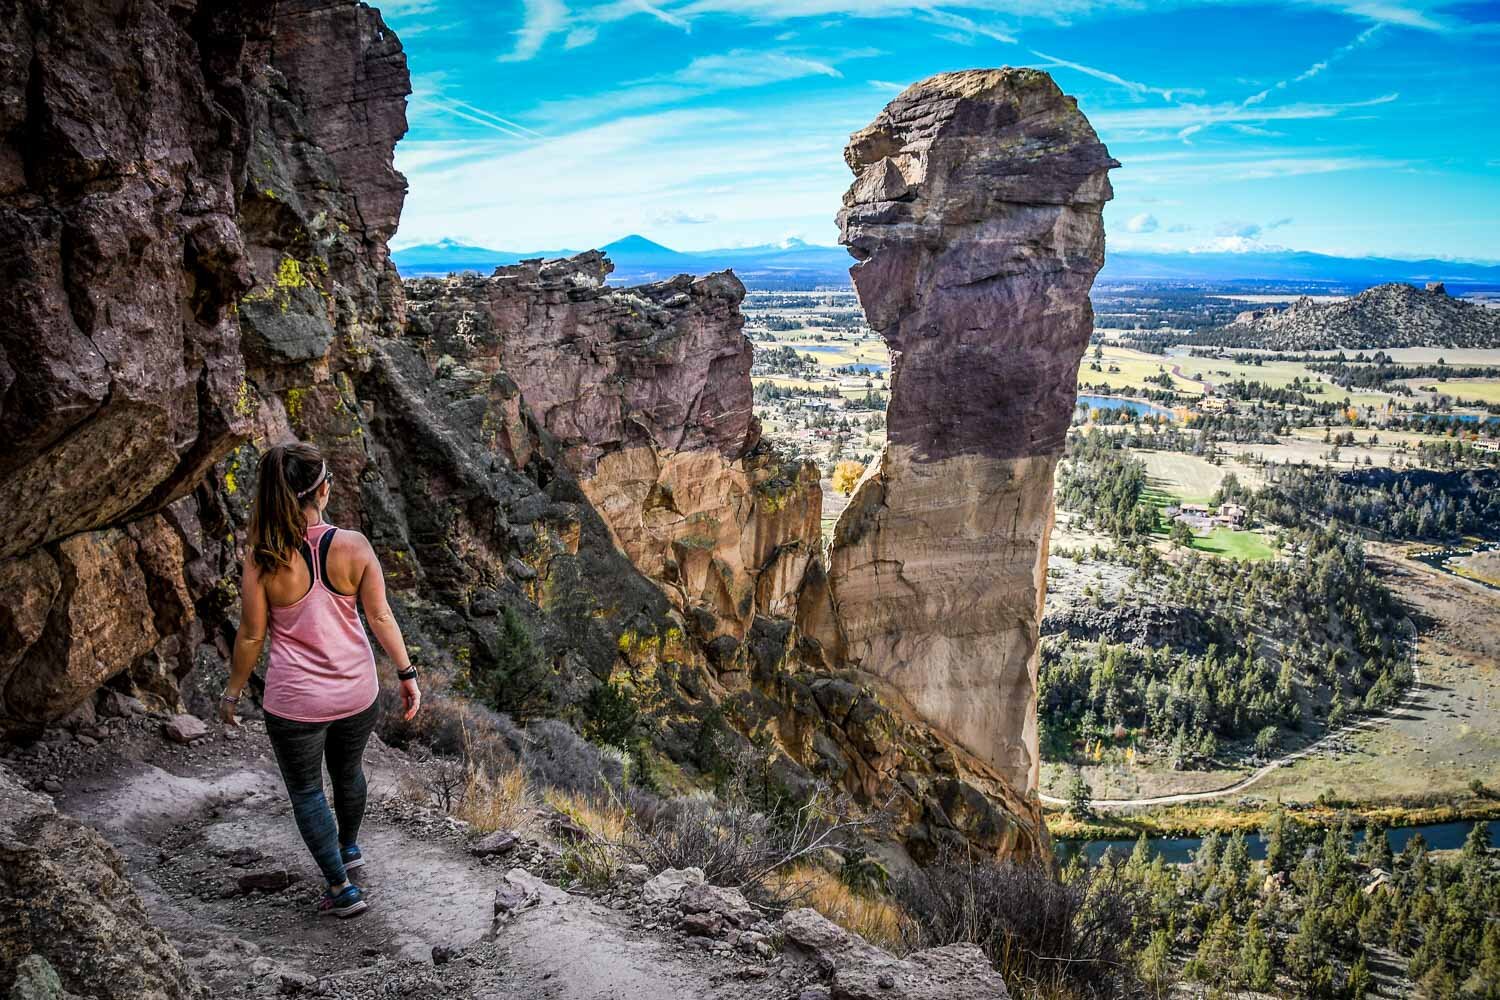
(409, 674)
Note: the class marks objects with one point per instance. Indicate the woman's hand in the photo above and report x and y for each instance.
(227, 706)
(411, 698)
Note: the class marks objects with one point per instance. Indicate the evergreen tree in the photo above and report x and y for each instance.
(1477, 843)
(1257, 967)
(1359, 981)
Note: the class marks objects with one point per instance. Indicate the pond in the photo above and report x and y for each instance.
(1136, 406)
(1179, 850)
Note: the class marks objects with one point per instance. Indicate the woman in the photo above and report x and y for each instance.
(304, 578)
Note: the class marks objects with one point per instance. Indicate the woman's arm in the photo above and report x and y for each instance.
(248, 640)
(383, 622)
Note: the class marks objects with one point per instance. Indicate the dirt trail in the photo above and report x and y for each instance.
(179, 817)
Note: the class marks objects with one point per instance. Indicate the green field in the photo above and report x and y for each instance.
(1483, 390)
(1135, 368)
(1246, 546)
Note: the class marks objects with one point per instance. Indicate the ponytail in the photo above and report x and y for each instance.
(289, 474)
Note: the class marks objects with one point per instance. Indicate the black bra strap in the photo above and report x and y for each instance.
(323, 546)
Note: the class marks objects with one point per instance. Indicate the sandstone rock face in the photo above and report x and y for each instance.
(647, 392)
(975, 215)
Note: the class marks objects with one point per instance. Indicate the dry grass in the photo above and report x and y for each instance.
(503, 801)
(875, 918)
(608, 822)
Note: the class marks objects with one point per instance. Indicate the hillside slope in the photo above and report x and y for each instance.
(1386, 316)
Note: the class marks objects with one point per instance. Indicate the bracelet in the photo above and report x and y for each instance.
(232, 699)
(409, 674)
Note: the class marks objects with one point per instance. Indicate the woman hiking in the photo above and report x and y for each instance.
(302, 582)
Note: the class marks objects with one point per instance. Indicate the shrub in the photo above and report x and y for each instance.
(514, 678)
(610, 715)
(1073, 934)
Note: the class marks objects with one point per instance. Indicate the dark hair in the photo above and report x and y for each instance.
(289, 475)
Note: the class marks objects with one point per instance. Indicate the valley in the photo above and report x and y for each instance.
(1193, 419)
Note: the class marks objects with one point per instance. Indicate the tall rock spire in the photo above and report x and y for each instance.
(976, 218)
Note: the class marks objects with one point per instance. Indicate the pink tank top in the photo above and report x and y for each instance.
(320, 666)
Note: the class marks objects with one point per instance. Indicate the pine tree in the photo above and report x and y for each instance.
(1358, 984)
(1257, 967)
(1477, 844)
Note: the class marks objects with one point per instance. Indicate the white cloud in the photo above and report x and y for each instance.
(888, 86)
(1143, 223)
(736, 69)
(640, 173)
(1133, 86)
(542, 20)
(677, 217)
(1179, 117)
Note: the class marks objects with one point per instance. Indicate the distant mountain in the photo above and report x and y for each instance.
(446, 256)
(1385, 316)
(1286, 266)
(793, 263)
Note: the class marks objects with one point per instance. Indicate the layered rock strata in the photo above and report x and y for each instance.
(975, 215)
(646, 392)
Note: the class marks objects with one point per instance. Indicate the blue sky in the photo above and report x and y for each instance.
(1352, 127)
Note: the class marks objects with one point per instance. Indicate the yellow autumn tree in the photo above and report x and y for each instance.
(846, 474)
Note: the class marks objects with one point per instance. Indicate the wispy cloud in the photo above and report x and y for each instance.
(1143, 223)
(888, 86)
(542, 19)
(1133, 86)
(704, 75)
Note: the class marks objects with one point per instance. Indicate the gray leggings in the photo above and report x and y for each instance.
(301, 748)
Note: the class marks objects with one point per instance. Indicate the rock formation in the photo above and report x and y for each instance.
(646, 392)
(975, 215)
(67, 910)
(1386, 316)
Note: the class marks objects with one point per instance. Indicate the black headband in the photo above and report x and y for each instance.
(322, 477)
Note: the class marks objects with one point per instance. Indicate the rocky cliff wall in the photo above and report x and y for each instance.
(646, 392)
(975, 215)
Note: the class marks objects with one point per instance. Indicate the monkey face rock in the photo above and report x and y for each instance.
(976, 219)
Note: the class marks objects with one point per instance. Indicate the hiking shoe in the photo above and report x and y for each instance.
(353, 858)
(347, 902)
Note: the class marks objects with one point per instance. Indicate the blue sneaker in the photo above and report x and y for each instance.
(352, 856)
(347, 902)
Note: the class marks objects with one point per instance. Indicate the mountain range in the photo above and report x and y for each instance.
(794, 263)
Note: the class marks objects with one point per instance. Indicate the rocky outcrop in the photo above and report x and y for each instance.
(120, 368)
(1383, 317)
(69, 915)
(646, 392)
(975, 215)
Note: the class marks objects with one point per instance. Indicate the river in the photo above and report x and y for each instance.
(1179, 850)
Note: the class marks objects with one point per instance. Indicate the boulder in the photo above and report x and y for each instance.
(953, 972)
(729, 904)
(668, 886)
(266, 880)
(184, 728)
(808, 932)
(499, 843)
(702, 924)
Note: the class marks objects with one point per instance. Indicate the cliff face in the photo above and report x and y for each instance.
(120, 366)
(646, 392)
(975, 215)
